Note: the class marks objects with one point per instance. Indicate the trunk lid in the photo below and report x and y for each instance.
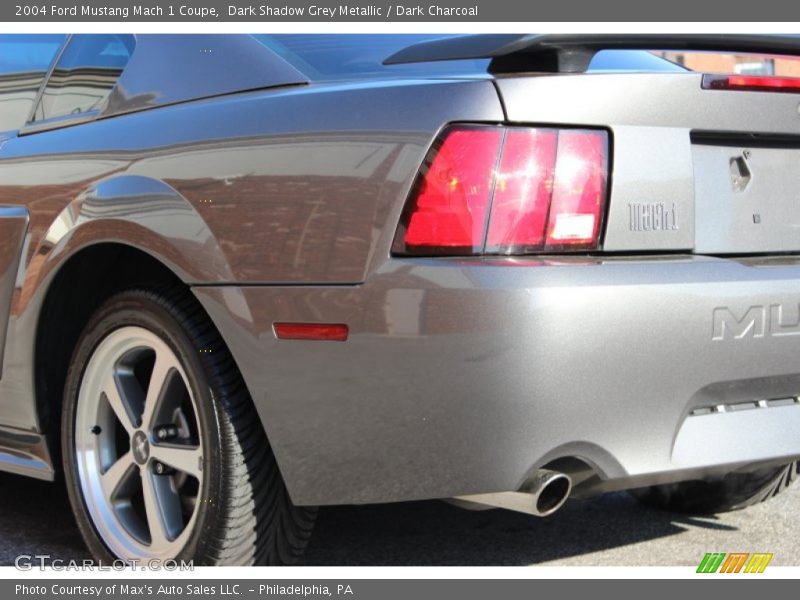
(693, 169)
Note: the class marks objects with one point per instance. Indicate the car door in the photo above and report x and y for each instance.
(25, 61)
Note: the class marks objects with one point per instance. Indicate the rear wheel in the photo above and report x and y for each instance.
(734, 491)
(164, 455)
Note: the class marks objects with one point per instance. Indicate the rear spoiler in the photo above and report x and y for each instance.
(572, 53)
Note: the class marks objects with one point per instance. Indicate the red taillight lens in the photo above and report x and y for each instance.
(752, 83)
(579, 190)
(453, 196)
(523, 191)
(498, 190)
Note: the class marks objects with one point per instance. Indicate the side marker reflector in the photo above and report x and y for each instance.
(330, 332)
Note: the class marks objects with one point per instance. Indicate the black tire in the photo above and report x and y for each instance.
(734, 491)
(243, 511)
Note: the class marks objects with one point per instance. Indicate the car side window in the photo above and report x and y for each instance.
(84, 75)
(24, 62)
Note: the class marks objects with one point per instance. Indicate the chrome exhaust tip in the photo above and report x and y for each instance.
(549, 491)
(540, 496)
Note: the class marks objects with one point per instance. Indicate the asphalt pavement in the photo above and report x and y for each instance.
(35, 518)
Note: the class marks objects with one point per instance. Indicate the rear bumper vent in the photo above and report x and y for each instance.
(740, 406)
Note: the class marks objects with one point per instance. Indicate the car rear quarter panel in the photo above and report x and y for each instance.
(294, 185)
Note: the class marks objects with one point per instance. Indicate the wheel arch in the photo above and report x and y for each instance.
(125, 231)
(83, 281)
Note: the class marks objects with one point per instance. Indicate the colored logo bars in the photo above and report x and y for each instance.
(735, 562)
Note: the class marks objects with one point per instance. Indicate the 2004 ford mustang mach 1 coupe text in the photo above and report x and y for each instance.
(244, 276)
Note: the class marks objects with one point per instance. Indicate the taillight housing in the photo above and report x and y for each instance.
(752, 83)
(487, 189)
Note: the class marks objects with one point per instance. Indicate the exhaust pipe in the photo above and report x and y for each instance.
(541, 495)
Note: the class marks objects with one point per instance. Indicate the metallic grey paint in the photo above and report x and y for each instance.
(761, 213)
(25, 453)
(470, 374)
(13, 225)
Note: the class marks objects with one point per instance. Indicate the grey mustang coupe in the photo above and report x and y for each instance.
(245, 276)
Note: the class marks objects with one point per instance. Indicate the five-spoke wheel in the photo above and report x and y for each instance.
(164, 454)
(138, 447)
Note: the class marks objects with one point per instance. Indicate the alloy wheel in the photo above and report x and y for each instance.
(138, 446)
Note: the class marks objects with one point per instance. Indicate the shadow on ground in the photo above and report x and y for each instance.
(35, 518)
(435, 533)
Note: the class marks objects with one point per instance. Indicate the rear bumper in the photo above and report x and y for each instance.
(463, 376)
